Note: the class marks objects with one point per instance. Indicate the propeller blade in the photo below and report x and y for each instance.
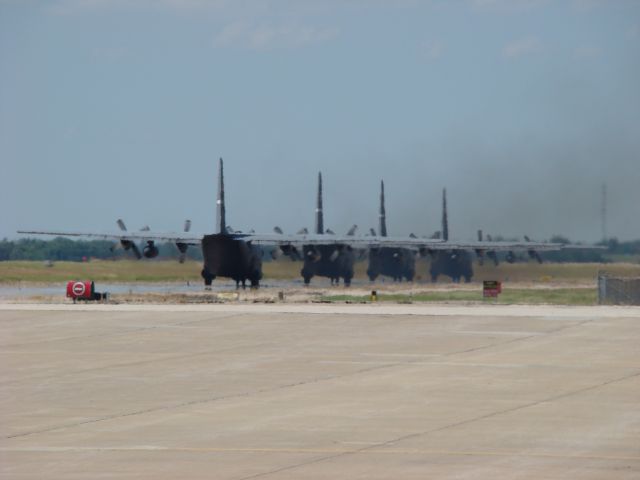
(187, 225)
(121, 224)
(136, 251)
(182, 248)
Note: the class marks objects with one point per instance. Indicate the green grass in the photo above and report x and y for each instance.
(560, 296)
(168, 270)
(100, 270)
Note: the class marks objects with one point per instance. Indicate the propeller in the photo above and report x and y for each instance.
(479, 252)
(286, 250)
(182, 247)
(352, 230)
(128, 244)
(534, 254)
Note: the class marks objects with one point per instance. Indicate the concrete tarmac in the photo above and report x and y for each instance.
(319, 392)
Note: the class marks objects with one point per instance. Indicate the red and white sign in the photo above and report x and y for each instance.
(79, 289)
(491, 288)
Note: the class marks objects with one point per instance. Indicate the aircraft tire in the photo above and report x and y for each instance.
(208, 277)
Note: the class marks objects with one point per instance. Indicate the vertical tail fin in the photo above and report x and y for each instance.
(445, 217)
(383, 215)
(319, 215)
(221, 217)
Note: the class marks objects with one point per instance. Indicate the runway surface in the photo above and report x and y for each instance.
(319, 391)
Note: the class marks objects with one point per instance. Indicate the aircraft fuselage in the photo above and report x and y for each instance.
(227, 257)
(332, 261)
(396, 263)
(457, 264)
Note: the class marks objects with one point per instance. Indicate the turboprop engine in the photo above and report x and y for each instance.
(150, 250)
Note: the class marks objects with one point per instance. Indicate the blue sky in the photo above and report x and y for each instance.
(522, 109)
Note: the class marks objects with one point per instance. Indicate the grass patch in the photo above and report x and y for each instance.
(560, 296)
(172, 271)
(100, 270)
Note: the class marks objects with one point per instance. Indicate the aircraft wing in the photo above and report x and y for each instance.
(394, 242)
(299, 240)
(186, 238)
(500, 246)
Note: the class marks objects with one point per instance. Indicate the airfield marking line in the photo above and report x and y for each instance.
(408, 451)
(445, 427)
(280, 387)
(129, 364)
(120, 333)
(517, 339)
(199, 402)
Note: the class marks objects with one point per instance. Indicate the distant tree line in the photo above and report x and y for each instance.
(614, 248)
(64, 249)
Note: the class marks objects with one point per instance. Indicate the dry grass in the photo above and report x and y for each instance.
(168, 271)
(517, 296)
(100, 270)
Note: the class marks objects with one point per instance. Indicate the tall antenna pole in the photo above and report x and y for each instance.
(603, 212)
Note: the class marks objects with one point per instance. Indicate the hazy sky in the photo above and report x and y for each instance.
(121, 108)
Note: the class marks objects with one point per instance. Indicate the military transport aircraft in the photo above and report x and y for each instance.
(457, 261)
(334, 259)
(237, 255)
(394, 262)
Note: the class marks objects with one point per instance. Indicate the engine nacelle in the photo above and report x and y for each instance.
(150, 250)
(290, 251)
(535, 255)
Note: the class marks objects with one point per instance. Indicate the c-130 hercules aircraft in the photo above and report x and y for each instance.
(333, 260)
(394, 262)
(237, 255)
